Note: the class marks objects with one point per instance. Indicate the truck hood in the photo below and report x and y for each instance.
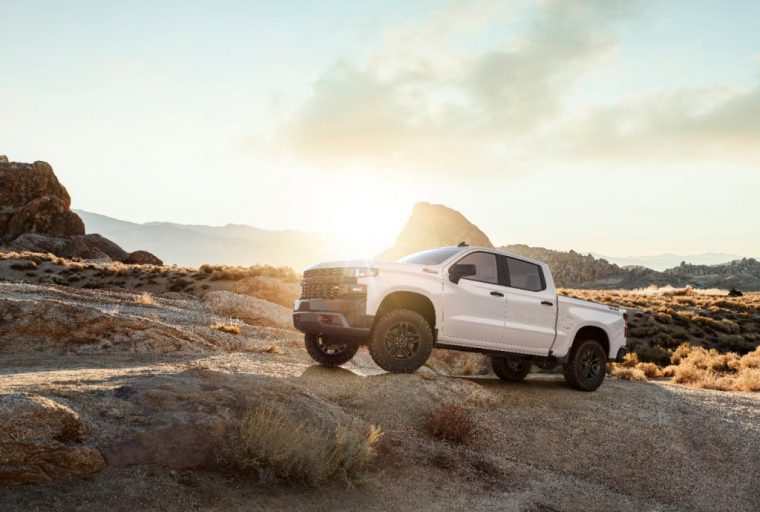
(398, 267)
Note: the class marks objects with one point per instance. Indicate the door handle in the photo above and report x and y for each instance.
(497, 294)
(547, 303)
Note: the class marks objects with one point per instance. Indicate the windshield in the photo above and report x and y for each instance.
(431, 256)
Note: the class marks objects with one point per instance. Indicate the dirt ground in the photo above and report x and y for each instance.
(538, 445)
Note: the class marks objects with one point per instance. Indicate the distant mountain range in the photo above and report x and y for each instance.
(665, 261)
(233, 244)
(430, 225)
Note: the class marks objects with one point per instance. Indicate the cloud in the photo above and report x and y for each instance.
(683, 125)
(483, 89)
(427, 101)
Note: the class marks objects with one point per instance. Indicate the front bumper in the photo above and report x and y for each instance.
(336, 318)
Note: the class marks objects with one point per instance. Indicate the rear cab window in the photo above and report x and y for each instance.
(524, 275)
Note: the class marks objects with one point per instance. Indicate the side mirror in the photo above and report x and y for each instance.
(460, 270)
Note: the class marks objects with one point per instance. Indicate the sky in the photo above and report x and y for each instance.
(623, 128)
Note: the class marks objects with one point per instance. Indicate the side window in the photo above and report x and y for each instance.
(485, 266)
(525, 276)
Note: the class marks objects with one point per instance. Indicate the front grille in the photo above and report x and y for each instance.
(323, 283)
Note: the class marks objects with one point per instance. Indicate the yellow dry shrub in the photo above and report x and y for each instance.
(627, 373)
(274, 446)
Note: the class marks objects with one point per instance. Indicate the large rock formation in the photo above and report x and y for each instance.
(32, 200)
(40, 442)
(434, 225)
(35, 216)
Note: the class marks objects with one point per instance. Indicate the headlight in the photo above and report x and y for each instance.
(361, 272)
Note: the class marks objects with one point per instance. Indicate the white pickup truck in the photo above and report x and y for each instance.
(461, 298)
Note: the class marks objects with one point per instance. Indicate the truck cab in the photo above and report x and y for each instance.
(463, 298)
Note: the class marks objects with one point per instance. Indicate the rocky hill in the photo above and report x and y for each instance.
(434, 225)
(35, 216)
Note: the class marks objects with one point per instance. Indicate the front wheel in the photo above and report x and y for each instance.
(401, 341)
(586, 365)
(510, 369)
(327, 352)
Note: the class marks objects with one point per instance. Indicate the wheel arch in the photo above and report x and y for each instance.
(408, 300)
(592, 332)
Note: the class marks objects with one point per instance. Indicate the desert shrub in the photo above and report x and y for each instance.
(263, 349)
(270, 289)
(145, 298)
(709, 369)
(626, 373)
(651, 353)
(179, 284)
(272, 445)
(24, 265)
(451, 422)
(230, 273)
(226, 328)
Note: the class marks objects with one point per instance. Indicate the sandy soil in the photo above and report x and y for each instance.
(539, 445)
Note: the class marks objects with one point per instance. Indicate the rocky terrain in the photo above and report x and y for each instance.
(109, 396)
(35, 216)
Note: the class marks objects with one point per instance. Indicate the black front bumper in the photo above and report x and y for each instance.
(622, 351)
(336, 318)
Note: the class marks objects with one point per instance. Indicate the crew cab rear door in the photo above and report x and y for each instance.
(474, 308)
(530, 325)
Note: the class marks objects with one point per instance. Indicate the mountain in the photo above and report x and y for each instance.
(233, 244)
(665, 261)
(434, 225)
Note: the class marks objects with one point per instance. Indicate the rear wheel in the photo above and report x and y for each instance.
(401, 341)
(327, 352)
(509, 368)
(586, 366)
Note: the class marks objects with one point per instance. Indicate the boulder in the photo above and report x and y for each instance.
(87, 247)
(3, 159)
(268, 288)
(32, 200)
(141, 258)
(250, 310)
(41, 442)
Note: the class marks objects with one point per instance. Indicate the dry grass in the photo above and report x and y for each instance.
(226, 328)
(661, 319)
(274, 447)
(265, 349)
(697, 367)
(451, 422)
(274, 284)
(145, 299)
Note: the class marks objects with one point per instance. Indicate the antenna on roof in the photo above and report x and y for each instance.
(462, 244)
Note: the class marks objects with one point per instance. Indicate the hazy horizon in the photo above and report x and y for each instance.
(657, 262)
(618, 128)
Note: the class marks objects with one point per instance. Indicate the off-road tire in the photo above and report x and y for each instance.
(315, 346)
(401, 341)
(586, 366)
(510, 369)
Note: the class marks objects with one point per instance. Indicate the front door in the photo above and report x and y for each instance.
(474, 309)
